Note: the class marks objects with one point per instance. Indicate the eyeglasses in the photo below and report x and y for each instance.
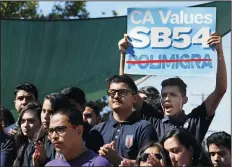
(121, 92)
(143, 157)
(59, 130)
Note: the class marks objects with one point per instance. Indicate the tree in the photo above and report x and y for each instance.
(101, 104)
(19, 9)
(29, 10)
(114, 13)
(105, 116)
(70, 9)
(103, 13)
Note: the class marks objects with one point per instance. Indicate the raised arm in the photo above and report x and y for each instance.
(122, 45)
(213, 100)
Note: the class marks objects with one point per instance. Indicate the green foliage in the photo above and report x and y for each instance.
(105, 116)
(70, 9)
(101, 104)
(114, 13)
(19, 9)
(29, 10)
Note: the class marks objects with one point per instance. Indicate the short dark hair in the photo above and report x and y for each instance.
(94, 106)
(175, 81)
(124, 79)
(59, 100)
(219, 139)
(150, 91)
(74, 117)
(6, 116)
(28, 87)
(153, 96)
(75, 93)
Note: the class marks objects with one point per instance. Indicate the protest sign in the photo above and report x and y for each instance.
(170, 41)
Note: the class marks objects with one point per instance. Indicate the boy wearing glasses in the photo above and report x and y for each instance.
(124, 133)
(65, 132)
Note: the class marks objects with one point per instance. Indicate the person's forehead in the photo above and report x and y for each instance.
(88, 110)
(170, 89)
(120, 85)
(172, 142)
(58, 120)
(47, 103)
(154, 150)
(216, 148)
(23, 93)
(28, 115)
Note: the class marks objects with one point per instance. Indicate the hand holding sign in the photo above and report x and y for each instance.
(215, 39)
(123, 44)
(170, 41)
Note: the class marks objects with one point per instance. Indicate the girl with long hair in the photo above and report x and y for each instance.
(183, 149)
(29, 124)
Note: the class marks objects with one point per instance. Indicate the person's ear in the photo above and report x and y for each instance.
(185, 99)
(80, 130)
(135, 98)
(191, 151)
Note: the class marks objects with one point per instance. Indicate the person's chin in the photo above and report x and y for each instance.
(169, 113)
(116, 106)
(46, 127)
(25, 133)
(216, 165)
(58, 149)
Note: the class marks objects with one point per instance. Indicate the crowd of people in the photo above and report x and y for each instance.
(146, 127)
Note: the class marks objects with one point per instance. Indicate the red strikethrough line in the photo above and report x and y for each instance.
(164, 61)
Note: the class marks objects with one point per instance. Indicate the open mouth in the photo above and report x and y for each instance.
(168, 107)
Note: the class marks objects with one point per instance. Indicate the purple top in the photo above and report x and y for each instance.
(88, 158)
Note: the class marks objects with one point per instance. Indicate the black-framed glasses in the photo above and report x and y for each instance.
(143, 157)
(121, 92)
(59, 130)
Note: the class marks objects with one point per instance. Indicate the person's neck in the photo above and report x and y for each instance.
(122, 115)
(78, 149)
(178, 115)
